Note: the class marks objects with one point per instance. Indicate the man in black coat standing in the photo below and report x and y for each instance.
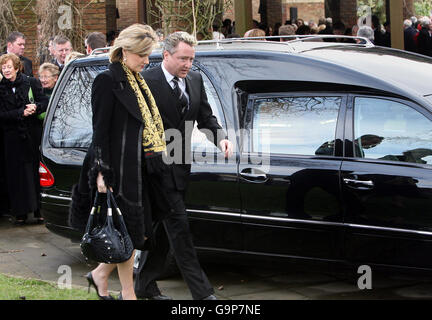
(16, 44)
(424, 39)
(181, 99)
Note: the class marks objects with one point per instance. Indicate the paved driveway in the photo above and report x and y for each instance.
(34, 252)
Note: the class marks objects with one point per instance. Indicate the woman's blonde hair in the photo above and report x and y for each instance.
(51, 68)
(255, 33)
(73, 55)
(137, 38)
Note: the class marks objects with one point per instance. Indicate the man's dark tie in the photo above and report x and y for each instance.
(183, 101)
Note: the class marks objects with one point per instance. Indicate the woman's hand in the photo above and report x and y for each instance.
(101, 186)
(29, 110)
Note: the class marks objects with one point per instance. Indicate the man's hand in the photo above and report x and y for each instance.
(226, 147)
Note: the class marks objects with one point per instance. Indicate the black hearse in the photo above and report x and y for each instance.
(333, 158)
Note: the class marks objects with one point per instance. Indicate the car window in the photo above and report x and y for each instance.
(389, 130)
(71, 125)
(199, 141)
(294, 125)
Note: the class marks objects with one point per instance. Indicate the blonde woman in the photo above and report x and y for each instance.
(127, 147)
(48, 76)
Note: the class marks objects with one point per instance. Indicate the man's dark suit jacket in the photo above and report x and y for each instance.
(199, 110)
(28, 66)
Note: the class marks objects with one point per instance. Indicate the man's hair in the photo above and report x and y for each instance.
(60, 40)
(172, 41)
(13, 36)
(96, 40)
(366, 32)
(425, 21)
(407, 23)
(287, 30)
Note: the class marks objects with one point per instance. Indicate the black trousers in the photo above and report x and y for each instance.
(173, 231)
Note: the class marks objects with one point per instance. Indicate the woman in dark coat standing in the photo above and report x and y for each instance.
(22, 134)
(127, 147)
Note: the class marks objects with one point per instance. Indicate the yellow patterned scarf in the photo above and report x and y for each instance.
(153, 133)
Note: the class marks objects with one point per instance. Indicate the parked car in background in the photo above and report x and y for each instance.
(333, 159)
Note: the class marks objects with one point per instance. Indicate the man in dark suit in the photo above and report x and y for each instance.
(62, 47)
(181, 99)
(409, 34)
(16, 44)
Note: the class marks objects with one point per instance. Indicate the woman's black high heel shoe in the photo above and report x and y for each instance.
(92, 283)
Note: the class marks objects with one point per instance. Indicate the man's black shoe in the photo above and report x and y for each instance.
(159, 297)
(210, 297)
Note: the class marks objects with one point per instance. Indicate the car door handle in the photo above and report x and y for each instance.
(367, 184)
(256, 176)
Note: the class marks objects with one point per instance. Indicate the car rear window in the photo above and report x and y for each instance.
(71, 125)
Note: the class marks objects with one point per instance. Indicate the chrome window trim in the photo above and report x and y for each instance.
(337, 224)
(44, 195)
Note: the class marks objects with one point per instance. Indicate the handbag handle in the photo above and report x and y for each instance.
(110, 197)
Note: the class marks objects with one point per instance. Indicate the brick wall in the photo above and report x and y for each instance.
(274, 12)
(348, 12)
(28, 23)
(128, 11)
(230, 12)
(96, 15)
(306, 10)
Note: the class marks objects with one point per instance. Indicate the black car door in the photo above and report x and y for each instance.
(289, 174)
(387, 182)
(212, 196)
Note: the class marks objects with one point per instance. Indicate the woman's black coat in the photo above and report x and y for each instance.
(116, 151)
(21, 137)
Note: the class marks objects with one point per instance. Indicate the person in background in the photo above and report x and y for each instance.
(365, 32)
(253, 33)
(303, 30)
(15, 43)
(424, 39)
(287, 30)
(227, 27)
(48, 76)
(22, 134)
(216, 35)
(160, 34)
(95, 40)
(409, 34)
(386, 36)
(62, 47)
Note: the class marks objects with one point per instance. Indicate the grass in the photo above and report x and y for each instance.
(12, 288)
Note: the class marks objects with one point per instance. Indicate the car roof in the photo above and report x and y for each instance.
(380, 68)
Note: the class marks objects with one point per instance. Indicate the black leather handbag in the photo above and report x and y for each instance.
(109, 242)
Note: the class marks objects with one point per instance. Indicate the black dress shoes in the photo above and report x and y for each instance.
(210, 297)
(159, 297)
